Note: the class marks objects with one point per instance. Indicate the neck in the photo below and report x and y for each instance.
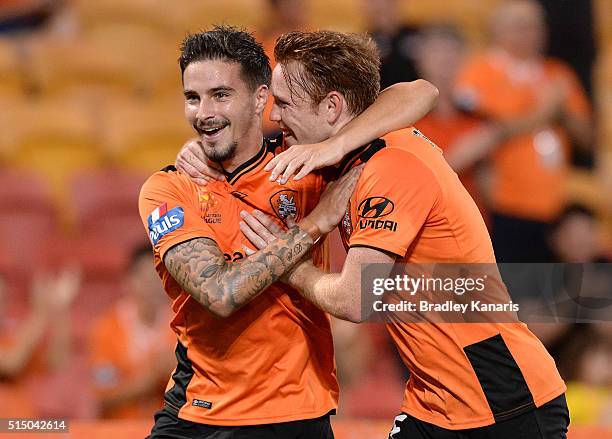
(342, 122)
(243, 154)
(518, 55)
(248, 146)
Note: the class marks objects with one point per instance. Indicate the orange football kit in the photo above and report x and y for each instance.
(271, 361)
(410, 203)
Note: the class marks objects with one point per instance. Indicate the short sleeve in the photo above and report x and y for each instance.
(394, 197)
(170, 212)
(472, 89)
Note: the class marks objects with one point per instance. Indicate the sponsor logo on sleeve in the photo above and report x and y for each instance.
(163, 221)
(370, 212)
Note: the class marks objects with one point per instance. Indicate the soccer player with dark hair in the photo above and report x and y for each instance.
(254, 358)
(477, 380)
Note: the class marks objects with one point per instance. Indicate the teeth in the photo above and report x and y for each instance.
(212, 130)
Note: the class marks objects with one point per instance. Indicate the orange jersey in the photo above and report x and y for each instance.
(119, 345)
(271, 361)
(444, 131)
(17, 395)
(529, 169)
(409, 202)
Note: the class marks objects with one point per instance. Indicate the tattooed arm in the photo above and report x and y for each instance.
(200, 268)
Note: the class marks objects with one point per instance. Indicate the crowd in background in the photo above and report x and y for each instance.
(90, 104)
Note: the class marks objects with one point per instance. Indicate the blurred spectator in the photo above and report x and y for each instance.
(572, 36)
(284, 16)
(23, 16)
(371, 386)
(533, 106)
(439, 54)
(37, 346)
(396, 41)
(572, 39)
(574, 236)
(589, 380)
(585, 295)
(131, 346)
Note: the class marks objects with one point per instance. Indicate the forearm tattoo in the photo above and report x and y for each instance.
(200, 268)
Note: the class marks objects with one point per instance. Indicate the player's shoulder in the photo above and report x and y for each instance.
(166, 179)
(407, 143)
(407, 152)
(556, 66)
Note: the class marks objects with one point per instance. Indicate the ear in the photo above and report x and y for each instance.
(261, 98)
(334, 105)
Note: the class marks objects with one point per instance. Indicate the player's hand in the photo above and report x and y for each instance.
(259, 228)
(64, 287)
(54, 293)
(303, 159)
(551, 101)
(192, 161)
(332, 205)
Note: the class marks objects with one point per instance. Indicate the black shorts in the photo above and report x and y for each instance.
(547, 422)
(169, 426)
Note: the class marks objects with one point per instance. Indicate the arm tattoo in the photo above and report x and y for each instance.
(200, 268)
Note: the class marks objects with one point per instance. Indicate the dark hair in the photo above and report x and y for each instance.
(228, 43)
(332, 61)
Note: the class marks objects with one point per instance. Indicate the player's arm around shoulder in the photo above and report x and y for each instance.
(339, 294)
(189, 250)
(200, 268)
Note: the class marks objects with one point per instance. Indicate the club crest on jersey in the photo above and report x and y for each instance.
(163, 221)
(284, 203)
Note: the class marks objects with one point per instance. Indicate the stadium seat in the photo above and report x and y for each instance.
(201, 14)
(55, 139)
(106, 206)
(161, 16)
(60, 65)
(28, 219)
(126, 58)
(102, 264)
(12, 68)
(146, 136)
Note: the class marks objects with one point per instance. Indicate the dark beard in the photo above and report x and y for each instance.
(218, 156)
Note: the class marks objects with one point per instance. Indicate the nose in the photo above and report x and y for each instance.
(206, 110)
(275, 114)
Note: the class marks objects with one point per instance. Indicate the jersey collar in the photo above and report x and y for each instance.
(360, 155)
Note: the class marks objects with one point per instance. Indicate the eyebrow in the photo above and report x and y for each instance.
(221, 88)
(279, 99)
(212, 90)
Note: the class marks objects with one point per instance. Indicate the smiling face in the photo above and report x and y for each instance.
(223, 109)
(299, 119)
